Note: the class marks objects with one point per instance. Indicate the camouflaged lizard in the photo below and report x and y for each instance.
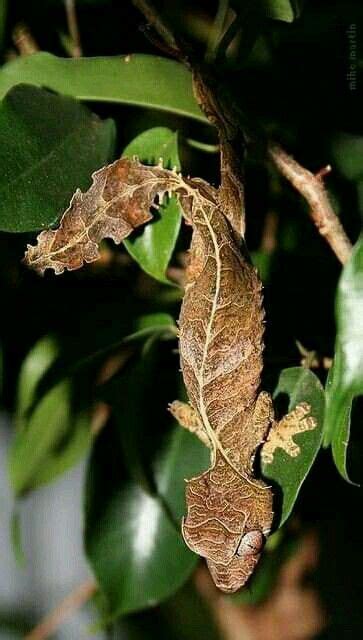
(229, 509)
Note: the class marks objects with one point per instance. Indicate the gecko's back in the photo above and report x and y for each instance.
(221, 328)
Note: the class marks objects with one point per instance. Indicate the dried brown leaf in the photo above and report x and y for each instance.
(118, 201)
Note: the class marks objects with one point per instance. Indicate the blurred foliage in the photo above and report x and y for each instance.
(107, 336)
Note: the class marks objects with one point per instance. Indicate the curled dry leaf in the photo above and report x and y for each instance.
(118, 201)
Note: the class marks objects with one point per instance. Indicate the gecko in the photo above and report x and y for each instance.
(229, 508)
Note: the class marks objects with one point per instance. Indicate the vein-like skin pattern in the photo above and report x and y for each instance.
(229, 511)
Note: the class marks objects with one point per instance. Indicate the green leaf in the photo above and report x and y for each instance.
(153, 246)
(285, 10)
(54, 437)
(345, 381)
(49, 146)
(133, 537)
(137, 79)
(296, 384)
(347, 151)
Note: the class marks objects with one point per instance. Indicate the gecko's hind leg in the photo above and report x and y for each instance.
(282, 432)
(188, 418)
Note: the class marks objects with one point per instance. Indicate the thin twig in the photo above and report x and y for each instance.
(74, 601)
(312, 189)
(73, 30)
(156, 22)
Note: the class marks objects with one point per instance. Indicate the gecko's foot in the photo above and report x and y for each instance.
(282, 432)
(188, 418)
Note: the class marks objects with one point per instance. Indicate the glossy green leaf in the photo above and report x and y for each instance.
(345, 381)
(152, 247)
(133, 537)
(137, 79)
(286, 473)
(45, 158)
(284, 10)
(53, 438)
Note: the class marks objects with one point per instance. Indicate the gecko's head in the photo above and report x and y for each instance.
(230, 573)
(232, 576)
(227, 526)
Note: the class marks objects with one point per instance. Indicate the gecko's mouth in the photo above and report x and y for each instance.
(211, 540)
(231, 577)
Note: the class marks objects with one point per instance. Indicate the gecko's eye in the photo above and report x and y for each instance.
(251, 544)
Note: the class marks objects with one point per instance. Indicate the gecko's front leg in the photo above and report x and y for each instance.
(188, 418)
(282, 432)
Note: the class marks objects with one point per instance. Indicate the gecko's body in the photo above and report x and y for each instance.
(221, 328)
(229, 509)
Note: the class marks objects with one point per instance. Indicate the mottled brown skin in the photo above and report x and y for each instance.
(229, 511)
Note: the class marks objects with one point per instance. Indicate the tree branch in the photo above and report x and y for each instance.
(74, 601)
(311, 187)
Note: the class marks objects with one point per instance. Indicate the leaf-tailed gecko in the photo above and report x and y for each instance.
(229, 509)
